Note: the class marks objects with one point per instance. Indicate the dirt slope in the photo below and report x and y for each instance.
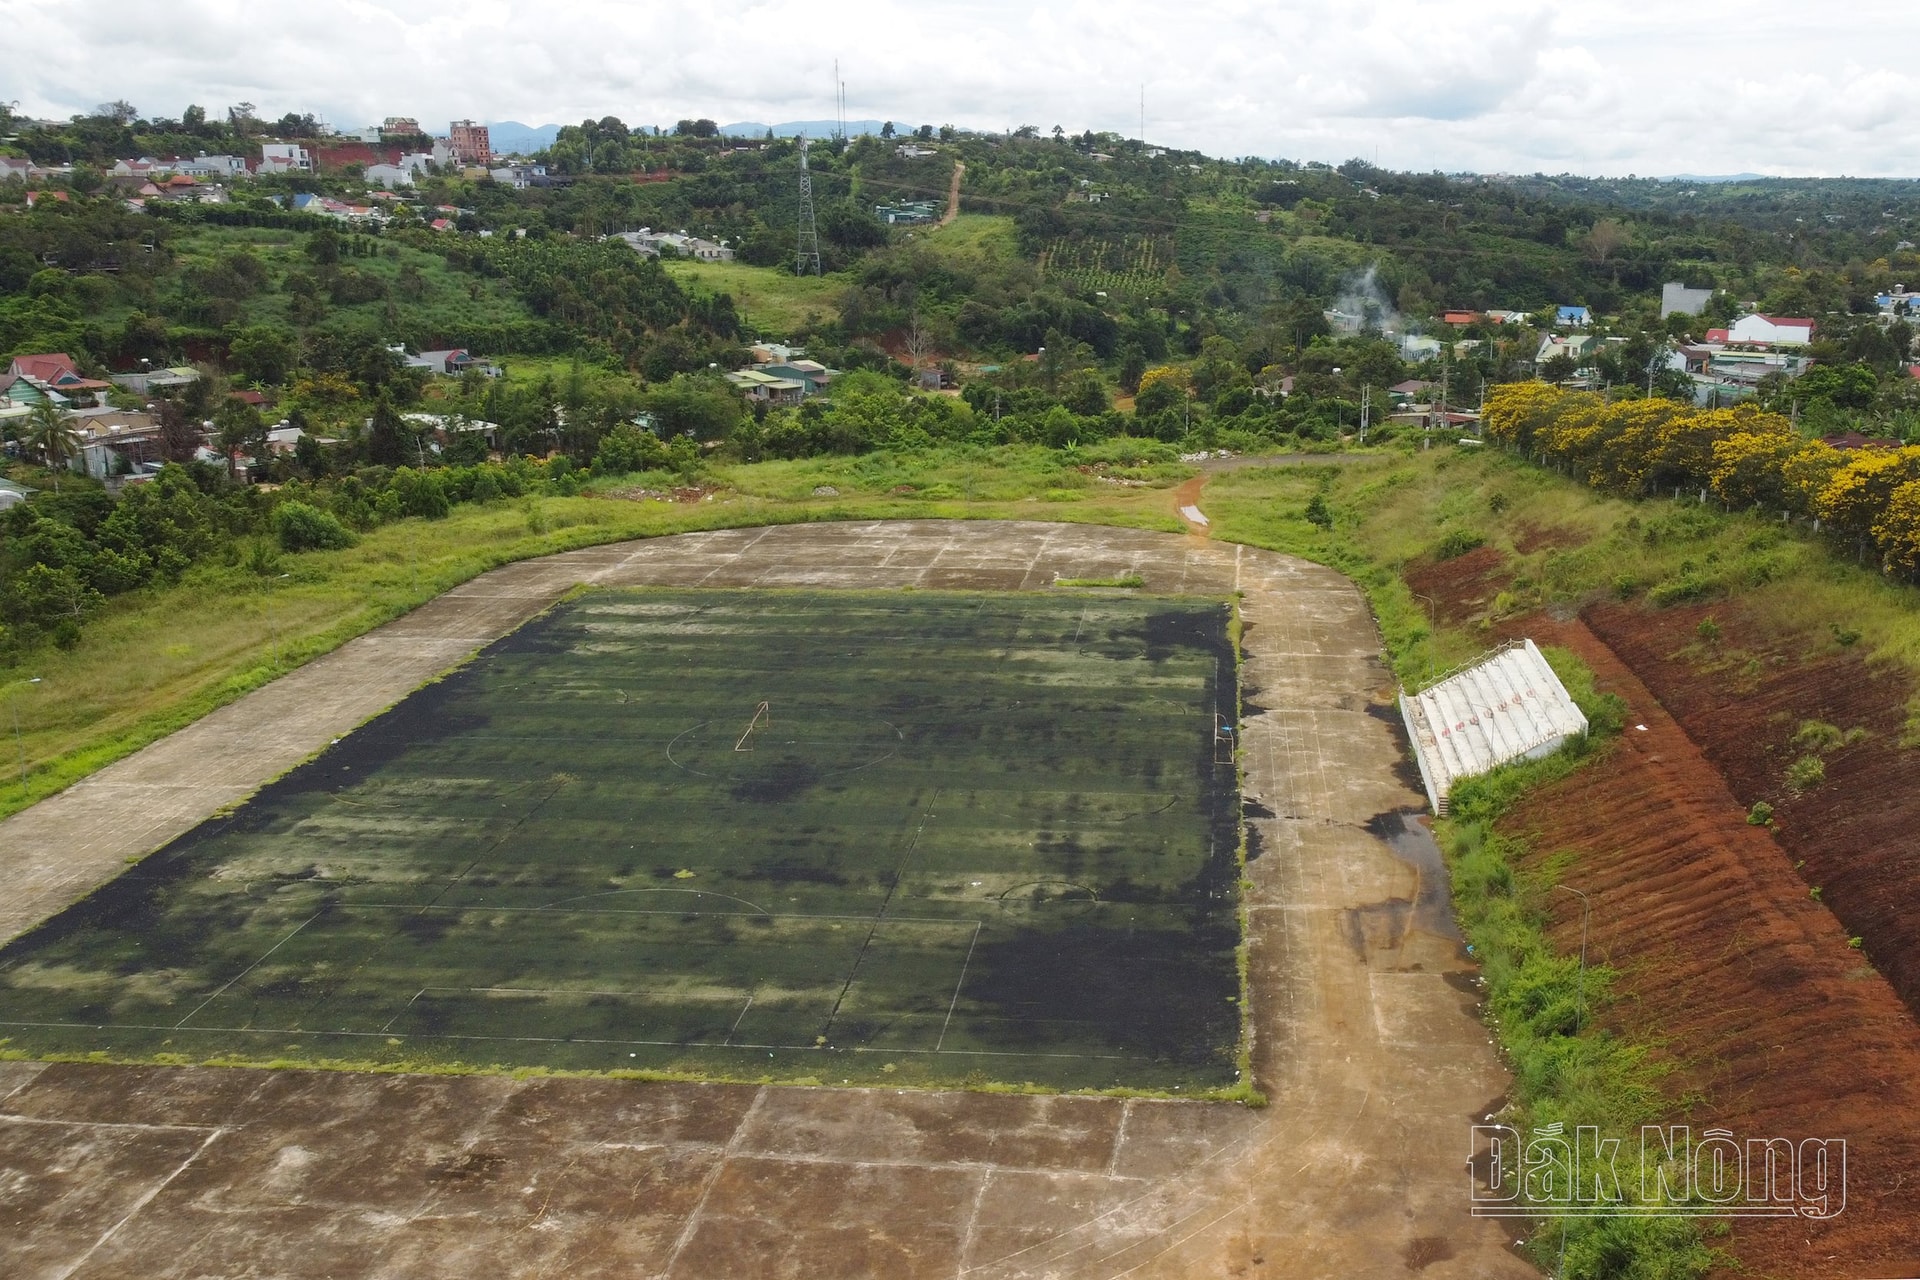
(1742, 699)
(1765, 1012)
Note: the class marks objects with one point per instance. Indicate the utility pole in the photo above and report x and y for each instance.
(807, 252)
(1366, 408)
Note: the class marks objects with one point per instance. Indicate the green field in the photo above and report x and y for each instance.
(772, 299)
(911, 837)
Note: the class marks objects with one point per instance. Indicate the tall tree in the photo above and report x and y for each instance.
(50, 435)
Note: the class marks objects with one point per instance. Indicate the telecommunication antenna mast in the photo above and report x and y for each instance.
(806, 260)
(839, 104)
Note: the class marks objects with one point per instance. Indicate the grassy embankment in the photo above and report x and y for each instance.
(160, 658)
(771, 299)
(1584, 546)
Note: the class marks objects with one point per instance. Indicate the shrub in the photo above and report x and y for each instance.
(303, 528)
(419, 493)
(1708, 631)
(1818, 735)
(1319, 513)
(1806, 773)
(1760, 815)
(1687, 587)
(627, 448)
(1457, 543)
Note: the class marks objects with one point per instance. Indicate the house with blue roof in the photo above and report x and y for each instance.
(1578, 317)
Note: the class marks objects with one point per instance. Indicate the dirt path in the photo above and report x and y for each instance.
(953, 195)
(1366, 1039)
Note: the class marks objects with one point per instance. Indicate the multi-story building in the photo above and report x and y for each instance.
(470, 142)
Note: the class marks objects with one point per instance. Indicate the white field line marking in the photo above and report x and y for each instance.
(244, 972)
(110, 1124)
(144, 1200)
(737, 1021)
(405, 1008)
(954, 1003)
(1203, 1227)
(973, 1219)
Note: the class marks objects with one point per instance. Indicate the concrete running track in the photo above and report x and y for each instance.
(1368, 1040)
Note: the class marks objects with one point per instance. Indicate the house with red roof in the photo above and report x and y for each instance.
(51, 377)
(1775, 331)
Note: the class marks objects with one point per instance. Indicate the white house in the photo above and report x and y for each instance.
(388, 176)
(206, 166)
(648, 243)
(285, 157)
(1779, 331)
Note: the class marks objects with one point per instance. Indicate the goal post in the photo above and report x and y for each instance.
(762, 717)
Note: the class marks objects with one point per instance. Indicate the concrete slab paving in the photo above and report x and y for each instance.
(1367, 1040)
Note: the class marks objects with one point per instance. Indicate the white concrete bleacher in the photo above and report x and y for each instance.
(1505, 706)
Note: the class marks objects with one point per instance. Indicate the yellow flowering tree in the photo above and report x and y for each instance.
(1516, 411)
(1859, 492)
(1897, 531)
(1749, 468)
(1804, 475)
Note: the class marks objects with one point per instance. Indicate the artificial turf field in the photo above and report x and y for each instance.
(901, 836)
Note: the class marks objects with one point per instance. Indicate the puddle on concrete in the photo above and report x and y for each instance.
(1409, 839)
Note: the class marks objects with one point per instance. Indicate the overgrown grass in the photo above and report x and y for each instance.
(1125, 581)
(986, 235)
(1541, 1002)
(772, 299)
(1566, 546)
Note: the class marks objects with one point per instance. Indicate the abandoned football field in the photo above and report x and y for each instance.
(879, 800)
(923, 836)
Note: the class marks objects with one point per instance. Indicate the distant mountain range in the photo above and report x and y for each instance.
(510, 137)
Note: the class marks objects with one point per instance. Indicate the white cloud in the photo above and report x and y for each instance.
(1493, 85)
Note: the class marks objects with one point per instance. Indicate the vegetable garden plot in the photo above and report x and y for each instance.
(916, 837)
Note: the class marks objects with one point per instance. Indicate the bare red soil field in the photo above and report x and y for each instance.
(1768, 1018)
(1463, 587)
(1771, 1023)
(1742, 699)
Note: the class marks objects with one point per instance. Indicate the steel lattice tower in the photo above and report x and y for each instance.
(807, 257)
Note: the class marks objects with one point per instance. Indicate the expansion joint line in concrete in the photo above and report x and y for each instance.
(146, 1198)
(686, 1235)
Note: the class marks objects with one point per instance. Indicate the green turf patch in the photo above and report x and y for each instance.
(913, 837)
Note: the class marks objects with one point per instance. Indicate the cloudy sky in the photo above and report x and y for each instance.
(1606, 87)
